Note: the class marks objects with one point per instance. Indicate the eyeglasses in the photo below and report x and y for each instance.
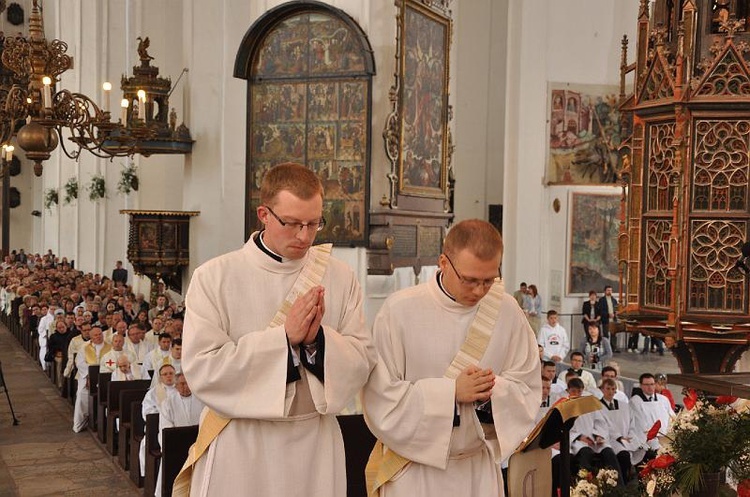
(470, 282)
(296, 227)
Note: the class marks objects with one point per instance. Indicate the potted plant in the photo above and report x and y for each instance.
(97, 188)
(71, 190)
(128, 179)
(50, 198)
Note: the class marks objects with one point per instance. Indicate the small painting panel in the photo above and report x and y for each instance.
(592, 258)
(584, 134)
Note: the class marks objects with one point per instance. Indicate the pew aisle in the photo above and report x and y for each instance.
(42, 456)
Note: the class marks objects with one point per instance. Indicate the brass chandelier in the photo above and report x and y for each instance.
(41, 117)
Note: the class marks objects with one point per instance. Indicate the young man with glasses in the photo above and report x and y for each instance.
(649, 407)
(454, 415)
(275, 341)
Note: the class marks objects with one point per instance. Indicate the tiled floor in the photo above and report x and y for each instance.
(42, 456)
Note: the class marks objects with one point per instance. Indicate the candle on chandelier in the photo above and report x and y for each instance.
(28, 110)
(125, 103)
(9, 152)
(142, 105)
(47, 92)
(107, 87)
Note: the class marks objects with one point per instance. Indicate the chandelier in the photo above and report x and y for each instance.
(42, 117)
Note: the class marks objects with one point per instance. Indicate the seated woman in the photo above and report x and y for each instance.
(596, 349)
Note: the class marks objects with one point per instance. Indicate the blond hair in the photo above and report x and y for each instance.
(478, 237)
(290, 176)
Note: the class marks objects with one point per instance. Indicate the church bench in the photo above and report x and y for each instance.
(153, 454)
(127, 399)
(93, 396)
(113, 408)
(101, 406)
(175, 444)
(137, 428)
(358, 443)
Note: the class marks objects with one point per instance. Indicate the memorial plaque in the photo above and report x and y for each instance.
(404, 241)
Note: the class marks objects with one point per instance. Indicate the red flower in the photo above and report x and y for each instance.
(690, 400)
(662, 462)
(654, 430)
(645, 471)
(723, 400)
(743, 489)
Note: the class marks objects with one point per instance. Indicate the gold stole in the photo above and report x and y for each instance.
(213, 424)
(89, 353)
(385, 463)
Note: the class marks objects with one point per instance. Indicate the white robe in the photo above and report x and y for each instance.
(620, 423)
(177, 410)
(140, 350)
(108, 362)
(645, 415)
(152, 403)
(409, 404)
(136, 373)
(155, 359)
(590, 425)
(237, 365)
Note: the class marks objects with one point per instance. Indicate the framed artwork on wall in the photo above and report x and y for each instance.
(593, 231)
(423, 100)
(309, 68)
(585, 134)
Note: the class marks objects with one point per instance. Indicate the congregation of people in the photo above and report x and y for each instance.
(614, 437)
(78, 322)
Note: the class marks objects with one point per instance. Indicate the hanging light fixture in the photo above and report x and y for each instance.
(43, 118)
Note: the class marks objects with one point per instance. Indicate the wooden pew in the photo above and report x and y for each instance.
(127, 399)
(93, 396)
(72, 386)
(137, 428)
(153, 454)
(101, 408)
(358, 443)
(175, 444)
(113, 408)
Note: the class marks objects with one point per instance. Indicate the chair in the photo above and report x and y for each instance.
(127, 399)
(175, 444)
(113, 408)
(153, 454)
(93, 395)
(137, 429)
(101, 409)
(358, 443)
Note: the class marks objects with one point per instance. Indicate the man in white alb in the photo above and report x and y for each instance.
(281, 374)
(453, 416)
(89, 355)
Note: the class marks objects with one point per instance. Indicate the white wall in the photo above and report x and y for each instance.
(504, 54)
(571, 41)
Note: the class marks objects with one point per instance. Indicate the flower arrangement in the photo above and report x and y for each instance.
(50, 198)
(706, 437)
(71, 190)
(603, 484)
(97, 188)
(128, 179)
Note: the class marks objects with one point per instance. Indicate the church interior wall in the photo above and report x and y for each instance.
(504, 54)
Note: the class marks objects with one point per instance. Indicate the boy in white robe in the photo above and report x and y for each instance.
(648, 407)
(455, 432)
(282, 384)
(153, 401)
(621, 427)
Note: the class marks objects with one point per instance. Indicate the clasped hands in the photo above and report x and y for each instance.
(304, 318)
(474, 384)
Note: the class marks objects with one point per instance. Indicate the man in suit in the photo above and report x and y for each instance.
(120, 274)
(608, 313)
(591, 313)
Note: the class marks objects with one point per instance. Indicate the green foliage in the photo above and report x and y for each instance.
(50, 198)
(97, 188)
(71, 190)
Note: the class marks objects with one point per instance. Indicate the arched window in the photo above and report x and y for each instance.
(309, 69)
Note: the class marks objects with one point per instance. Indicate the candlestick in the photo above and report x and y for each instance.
(106, 86)
(125, 103)
(9, 153)
(142, 105)
(47, 92)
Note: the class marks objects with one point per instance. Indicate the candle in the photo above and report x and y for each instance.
(9, 153)
(47, 92)
(106, 86)
(125, 103)
(142, 105)
(28, 110)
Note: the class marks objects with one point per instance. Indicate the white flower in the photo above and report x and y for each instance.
(651, 488)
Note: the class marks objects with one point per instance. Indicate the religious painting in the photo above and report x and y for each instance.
(425, 45)
(585, 133)
(592, 256)
(309, 103)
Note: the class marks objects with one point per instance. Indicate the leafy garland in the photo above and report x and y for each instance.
(71, 190)
(50, 198)
(97, 188)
